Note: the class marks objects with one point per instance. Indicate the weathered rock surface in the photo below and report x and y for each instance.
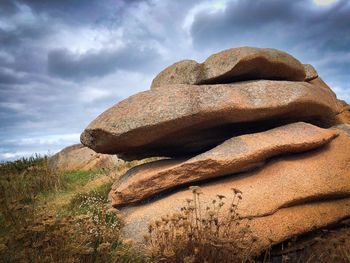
(235, 64)
(321, 84)
(309, 177)
(234, 155)
(344, 127)
(297, 220)
(343, 117)
(184, 119)
(310, 72)
(78, 157)
(182, 72)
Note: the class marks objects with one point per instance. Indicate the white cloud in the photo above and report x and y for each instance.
(6, 56)
(92, 94)
(16, 106)
(324, 2)
(46, 140)
(117, 85)
(42, 145)
(342, 92)
(209, 6)
(85, 39)
(8, 156)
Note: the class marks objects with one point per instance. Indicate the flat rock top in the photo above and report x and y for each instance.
(191, 118)
(235, 64)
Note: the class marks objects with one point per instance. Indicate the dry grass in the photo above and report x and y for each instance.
(202, 234)
(64, 217)
(36, 226)
(322, 246)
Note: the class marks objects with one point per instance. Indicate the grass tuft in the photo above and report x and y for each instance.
(202, 234)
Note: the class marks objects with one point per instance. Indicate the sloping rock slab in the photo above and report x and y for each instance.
(234, 155)
(235, 64)
(78, 157)
(188, 119)
(320, 174)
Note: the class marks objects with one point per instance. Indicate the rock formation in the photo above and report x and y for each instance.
(78, 157)
(247, 118)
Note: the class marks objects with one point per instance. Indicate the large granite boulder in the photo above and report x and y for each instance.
(184, 119)
(252, 119)
(235, 64)
(235, 155)
(79, 157)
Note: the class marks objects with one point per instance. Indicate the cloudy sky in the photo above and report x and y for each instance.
(64, 62)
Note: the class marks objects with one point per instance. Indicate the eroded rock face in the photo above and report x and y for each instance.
(321, 174)
(188, 119)
(235, 155)
(235, 64)
(78, 157)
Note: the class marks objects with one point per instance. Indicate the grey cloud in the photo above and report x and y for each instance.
(77, 12)
(66, 64)
(9, 78)
(282, 23)
(7, 7)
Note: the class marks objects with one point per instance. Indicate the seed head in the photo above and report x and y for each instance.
(236, 191)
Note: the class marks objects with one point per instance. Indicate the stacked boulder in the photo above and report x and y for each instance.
(78, 157)
(249, 118)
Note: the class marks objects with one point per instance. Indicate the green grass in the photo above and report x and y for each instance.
(70, 180)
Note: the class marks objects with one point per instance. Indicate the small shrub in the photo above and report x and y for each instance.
(197, 234)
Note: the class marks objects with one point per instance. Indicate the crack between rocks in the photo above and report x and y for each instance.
(303, 201)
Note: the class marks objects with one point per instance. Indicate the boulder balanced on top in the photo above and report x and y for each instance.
(250, 118)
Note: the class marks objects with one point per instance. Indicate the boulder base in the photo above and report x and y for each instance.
(307, 178)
